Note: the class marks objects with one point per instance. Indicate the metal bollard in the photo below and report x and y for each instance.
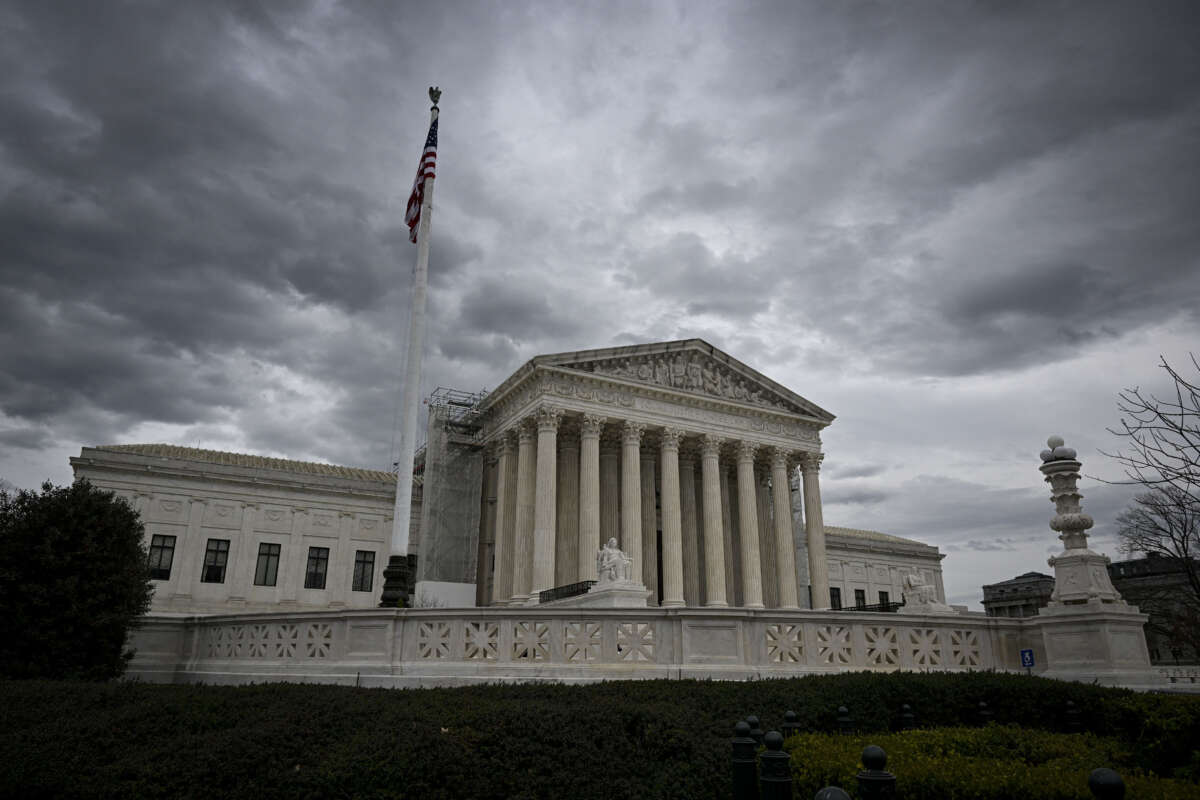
(832, 793)
(874, 782)
(791, 725)
(844, 723)
(756, 731)
(776, 772)
(908, 720)
(1106, 784)
(1074, 725)
(745, 763)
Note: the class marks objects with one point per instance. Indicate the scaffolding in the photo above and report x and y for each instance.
(453, 484)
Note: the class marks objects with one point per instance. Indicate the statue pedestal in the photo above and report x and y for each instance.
(1097, 642)
(622, 594)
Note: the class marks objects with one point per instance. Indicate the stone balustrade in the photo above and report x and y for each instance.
(433, 647)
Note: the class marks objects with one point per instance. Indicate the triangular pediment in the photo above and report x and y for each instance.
(691, 366)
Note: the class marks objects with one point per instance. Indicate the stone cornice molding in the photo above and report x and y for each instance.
(582, 392)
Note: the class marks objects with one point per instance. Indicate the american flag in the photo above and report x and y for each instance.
(425, 170)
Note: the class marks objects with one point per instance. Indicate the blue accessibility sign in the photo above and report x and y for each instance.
(1027, 658)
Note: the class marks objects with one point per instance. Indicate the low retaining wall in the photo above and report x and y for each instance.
(443, 647)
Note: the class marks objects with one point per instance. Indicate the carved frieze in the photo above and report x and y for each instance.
(687, 371)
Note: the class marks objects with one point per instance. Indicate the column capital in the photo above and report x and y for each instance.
(671, 437)
(249, 505)
(527, 430)
(548, 418)
(631, 432)
(746, 451)
(779, 458)
(591, 425)
(710, 445)
(811, 462)
(506, 443)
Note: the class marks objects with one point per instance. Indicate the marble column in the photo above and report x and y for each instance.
(766, 539)
(691, 535)
(814, 529)
(526, 497)
(610, 489)
(566, 550)
(748, 526)
(649, 566)
(631, 492)
(487, 531)
(714, 531)
(545, 499)
(733, 562)
(672, 525)
(589, 494)
(785, 551)
(506, 517)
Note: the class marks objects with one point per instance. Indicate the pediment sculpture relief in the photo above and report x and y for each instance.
(687, 371)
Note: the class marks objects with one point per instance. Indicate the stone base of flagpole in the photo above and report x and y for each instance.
(397, 582)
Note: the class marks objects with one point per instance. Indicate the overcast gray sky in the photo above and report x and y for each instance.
(960, 227)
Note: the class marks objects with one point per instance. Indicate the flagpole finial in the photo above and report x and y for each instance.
(435, 94)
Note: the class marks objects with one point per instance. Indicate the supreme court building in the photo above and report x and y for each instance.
(681, 453)
(705, 472)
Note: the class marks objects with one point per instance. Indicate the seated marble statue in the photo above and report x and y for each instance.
(612, 565)
(917, 592)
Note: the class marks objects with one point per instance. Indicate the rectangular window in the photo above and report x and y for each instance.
(162, 553)
(860, 598)
(318, 564)
(215, 558)
(267, 569)
(884, 599)
(835, 597)
(364, 569)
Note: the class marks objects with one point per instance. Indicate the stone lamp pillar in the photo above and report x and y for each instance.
(1087, 632)
(1080, 575)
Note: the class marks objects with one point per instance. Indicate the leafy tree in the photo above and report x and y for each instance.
(73, 581)
(1162, 453)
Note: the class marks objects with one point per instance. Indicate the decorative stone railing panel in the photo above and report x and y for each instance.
(447, 646)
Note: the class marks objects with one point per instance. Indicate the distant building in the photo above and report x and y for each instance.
(1144, 582)
(1021, 596)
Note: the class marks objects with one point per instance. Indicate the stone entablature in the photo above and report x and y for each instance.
(195, 496)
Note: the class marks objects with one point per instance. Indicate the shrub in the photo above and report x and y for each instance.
(73, 579)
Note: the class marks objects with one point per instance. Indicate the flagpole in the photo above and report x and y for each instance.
(397, 581)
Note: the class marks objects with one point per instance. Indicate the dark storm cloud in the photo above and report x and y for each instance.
(854, 496)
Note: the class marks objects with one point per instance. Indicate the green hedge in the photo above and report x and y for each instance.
(667, 738)
(992, 763)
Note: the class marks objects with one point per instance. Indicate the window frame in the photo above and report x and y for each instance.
(860, 598)
(317, 566)
(364, 571)
(884, 598)
(835, 598)
(215, 558)
(160, 543)
(263, 568)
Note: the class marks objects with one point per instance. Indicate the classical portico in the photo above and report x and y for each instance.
(679, 451)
